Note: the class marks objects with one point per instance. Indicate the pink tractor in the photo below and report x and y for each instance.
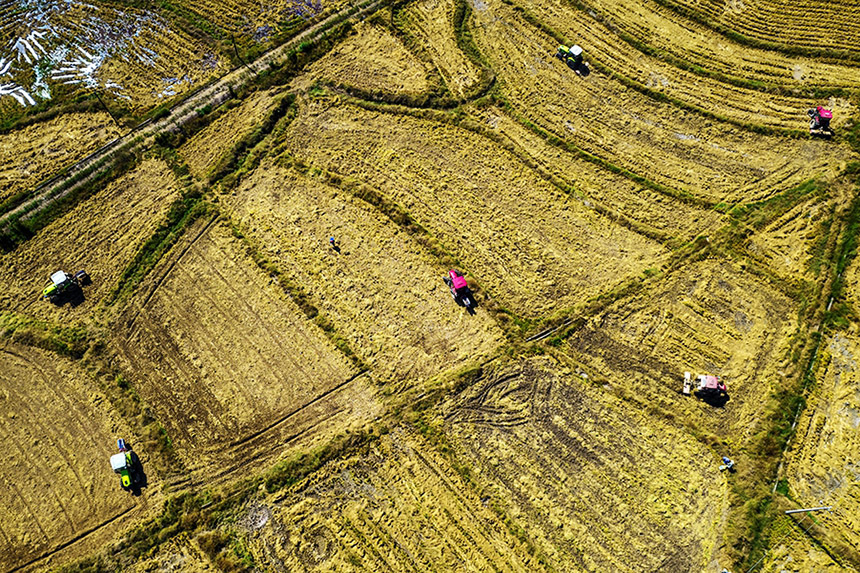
(708, 387)
(460, 290)
(819, 122)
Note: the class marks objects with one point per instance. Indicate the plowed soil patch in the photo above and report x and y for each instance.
(227, 362)
(400, 507)
(524, 240)
(432, 23)
(596, 484)
(101, 235)
(56, 438)
(710, 318)
(203, 151)
(373, 60)
(31, 154)
(636, 132)
(383, 292)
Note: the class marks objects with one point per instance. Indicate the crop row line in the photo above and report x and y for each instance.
(835, 56)
(658, 95)
(680, 63)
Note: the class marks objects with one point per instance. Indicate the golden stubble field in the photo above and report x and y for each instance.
(228, 362)
(57, 434)
(528, 244)
(601, 204)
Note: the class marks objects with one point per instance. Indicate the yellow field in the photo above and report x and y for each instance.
(633, 131)
(597, 484)
(228, 362)
(522, 239)
(398, 507)
(732, 102)
(30, 154)
(309, 406)
(809, 23)
(431, 22)
(697, 44)
(100, 235)
(372, 60)
(708, 318)
(56, 439)
(202, 152)
(382, 290)
(646, 210)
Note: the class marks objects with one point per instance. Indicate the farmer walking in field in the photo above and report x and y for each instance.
(333, 244)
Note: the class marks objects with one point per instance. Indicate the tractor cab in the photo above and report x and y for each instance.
(458, 281)
(710, 385)
(121, 464)
(572, 56)
(460, 290)
(64, 287)
(127, 465)
(59, 282)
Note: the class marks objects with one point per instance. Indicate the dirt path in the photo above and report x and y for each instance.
(143, 135)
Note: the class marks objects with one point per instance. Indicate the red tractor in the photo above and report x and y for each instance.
(460, 290)
(819, 122)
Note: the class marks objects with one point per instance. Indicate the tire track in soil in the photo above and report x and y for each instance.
(80, 537)
(72, 509)
(230, 400)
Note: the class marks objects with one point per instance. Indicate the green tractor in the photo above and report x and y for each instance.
(64, 287)
(128, 466)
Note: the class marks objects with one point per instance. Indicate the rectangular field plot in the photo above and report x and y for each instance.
(382, 291)
(707, 318)
(596, 484)
(101, 235)
(635, 132)
(204, 150)
(31, 154)
(523, 240)
(398, 508)
(647, 210)
(230, 365)
(56, 437)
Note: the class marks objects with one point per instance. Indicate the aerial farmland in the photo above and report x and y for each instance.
(430, 285)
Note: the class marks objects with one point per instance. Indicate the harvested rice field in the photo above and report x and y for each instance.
(101, 235)
(273, 323)
(30, 154)
(372, 60)
(527, 241)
